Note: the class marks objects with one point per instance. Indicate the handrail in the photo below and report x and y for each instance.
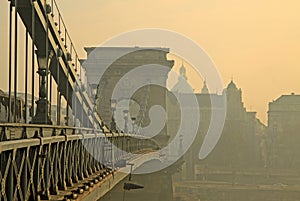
(81, 129)
(47, 126)
(67, 37)
(74, 59)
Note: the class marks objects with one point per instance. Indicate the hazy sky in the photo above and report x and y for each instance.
(256, 42)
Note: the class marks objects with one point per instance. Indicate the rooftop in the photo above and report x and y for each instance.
(288, 99)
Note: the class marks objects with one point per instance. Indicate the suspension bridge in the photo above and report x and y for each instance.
(46, 159)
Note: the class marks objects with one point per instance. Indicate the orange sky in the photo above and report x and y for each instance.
(257, 42)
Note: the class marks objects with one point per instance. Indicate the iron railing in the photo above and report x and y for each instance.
(50, 162)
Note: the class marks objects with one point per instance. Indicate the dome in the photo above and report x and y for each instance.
(182, 72)
(204, 89)
(231, 85)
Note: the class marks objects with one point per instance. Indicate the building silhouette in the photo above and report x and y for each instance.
(240, 146)
(284, 132)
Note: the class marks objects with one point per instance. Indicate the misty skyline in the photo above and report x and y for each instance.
(255, 42)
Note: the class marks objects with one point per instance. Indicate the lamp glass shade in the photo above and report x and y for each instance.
(133, 119)
(42, 63)
(125, 113)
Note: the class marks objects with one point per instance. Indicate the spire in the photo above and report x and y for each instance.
(182, 71)
(231, 85)
(204, 89)
(182, 85)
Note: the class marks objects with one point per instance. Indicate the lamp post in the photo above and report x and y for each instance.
(42, 113)
(126, 121)
(180, 151)
(133, 119)
(113, 104)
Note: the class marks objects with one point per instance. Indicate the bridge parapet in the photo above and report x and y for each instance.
(56, 163)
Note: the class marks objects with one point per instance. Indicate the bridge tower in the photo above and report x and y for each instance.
(105, 66)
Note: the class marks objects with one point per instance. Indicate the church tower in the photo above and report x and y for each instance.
(182, 85)
(204, 89)
(182, 72)
(235, 105)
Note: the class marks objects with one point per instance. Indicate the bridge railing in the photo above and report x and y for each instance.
(52, 160)
(65, 67)
(66, 38)
(81, 85)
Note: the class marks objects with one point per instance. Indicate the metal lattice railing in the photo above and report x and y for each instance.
(62, 165)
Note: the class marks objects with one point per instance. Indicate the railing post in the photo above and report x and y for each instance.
(24, 176)
(85, 161)
(81, 160)
(75, 163)
(97, 156)
(10, 177)
(54, 152)
(102, 145)
(36, 172)
(62, 181)
(89, 159)
(46, 191)
(93, 160)
(123, 150)
(69, 163)
(112, 152)
(128, 149)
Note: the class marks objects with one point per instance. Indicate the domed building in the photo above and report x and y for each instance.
(239, 145)
(182, 85)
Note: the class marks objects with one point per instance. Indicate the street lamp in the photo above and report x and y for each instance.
(126, 121)
(180, 151)
(42, 113)
(133, 119)
(113, 104)
(94, 92)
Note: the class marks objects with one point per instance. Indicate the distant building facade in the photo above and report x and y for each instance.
(284, 132)
(240, 146)
(19, 114)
